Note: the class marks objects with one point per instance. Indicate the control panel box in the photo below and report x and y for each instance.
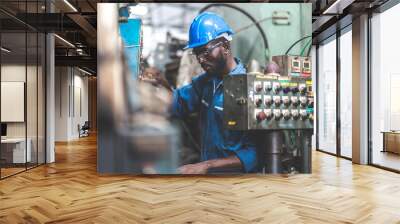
(293, 66)
(260, 102)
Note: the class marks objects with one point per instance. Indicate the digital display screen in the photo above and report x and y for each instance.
(306, 65)
(295, 64)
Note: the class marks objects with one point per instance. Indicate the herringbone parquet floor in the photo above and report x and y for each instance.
(70, 191)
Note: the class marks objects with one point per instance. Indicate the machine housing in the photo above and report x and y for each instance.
(279, 109)
(261, 102)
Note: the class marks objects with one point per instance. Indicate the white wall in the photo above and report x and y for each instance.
(10, 73)
(16, 73)
(61, 103)
(33, 126)
(13, 72)
(80, 112)
(71, 94)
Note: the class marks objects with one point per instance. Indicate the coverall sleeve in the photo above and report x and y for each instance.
(247, 153)
(187, 99)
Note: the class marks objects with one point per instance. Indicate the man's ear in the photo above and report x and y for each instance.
(227, 49)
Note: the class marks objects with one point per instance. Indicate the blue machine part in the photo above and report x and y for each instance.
(130, 32)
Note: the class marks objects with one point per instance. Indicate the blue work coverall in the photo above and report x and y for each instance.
(206, 97)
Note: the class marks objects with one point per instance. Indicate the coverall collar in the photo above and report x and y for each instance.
(217, 82)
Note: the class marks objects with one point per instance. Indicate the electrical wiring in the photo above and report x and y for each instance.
(294, 44)
(264, 37)
(304, 48)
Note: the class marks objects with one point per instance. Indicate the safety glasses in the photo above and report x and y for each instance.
(205, 52)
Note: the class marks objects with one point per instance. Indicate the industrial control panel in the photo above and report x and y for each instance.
(279, 105)
(262, 102)
(294, 66)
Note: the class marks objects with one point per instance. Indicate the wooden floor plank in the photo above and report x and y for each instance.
(71, 191)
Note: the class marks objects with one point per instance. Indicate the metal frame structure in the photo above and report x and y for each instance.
(339, 31)
(44, 75)
(389, 4)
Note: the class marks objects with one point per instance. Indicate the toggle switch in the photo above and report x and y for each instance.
(302, 89)
(267, 86)
(257, 100)
(277, 87)
(268, 114)
(258, 86)
(286, 101)
(277, 114)
(303, 115)
(295, 114)
(286, 114)
(311, 102)
(277, 101)
(295, 101)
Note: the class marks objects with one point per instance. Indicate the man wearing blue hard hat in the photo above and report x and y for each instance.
(221, 150)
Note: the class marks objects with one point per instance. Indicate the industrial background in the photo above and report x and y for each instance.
(259, 40)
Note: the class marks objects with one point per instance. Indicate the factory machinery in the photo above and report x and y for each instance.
(135, 130)
(279, 106)
(135, 134)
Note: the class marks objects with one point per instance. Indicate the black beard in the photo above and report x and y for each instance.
(220, 65)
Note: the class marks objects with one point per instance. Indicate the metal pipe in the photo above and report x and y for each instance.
(274, 141)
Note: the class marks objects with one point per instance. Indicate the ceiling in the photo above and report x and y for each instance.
(76, 22)
(330, 15)
(73, 21)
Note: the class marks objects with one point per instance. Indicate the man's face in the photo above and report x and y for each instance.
(211, 57)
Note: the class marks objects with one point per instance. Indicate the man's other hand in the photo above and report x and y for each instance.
(197, 168)
(155, 77)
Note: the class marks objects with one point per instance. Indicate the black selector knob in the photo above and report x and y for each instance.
(277, 87)
(286, 89)
(286, 115)
(303, 101)
(258, 88)
(295, 89)
(286, 101)
(268, 87)
(258, 102)
(303, 89)
(311, 103)
(268, 101)
(295, 101)
(277, 115)
(269, 114)
(303, 115)
(277, 101)
(295, 114)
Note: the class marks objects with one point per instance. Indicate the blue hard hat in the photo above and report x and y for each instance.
(206, 27)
